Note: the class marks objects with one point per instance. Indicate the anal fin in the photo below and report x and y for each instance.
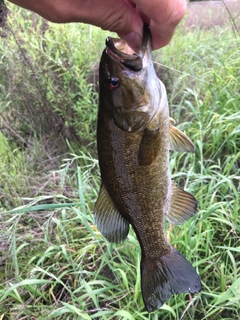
(108, 219)
(178, 140)
(183, 205)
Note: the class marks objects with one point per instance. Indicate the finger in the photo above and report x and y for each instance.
(164, 16)
(117, 16)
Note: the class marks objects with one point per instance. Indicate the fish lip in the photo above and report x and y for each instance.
(132, 62)
(135, 61)
(111, 44)
(146, 47)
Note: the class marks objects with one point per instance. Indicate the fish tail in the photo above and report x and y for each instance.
(170, 274)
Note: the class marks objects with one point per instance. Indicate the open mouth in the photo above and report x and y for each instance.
(120, 47)
(119, 50)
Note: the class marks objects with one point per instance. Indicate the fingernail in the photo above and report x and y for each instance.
(134, 40)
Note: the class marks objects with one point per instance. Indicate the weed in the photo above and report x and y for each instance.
(54, 262)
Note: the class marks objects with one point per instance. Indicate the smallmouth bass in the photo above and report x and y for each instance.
(134, 136)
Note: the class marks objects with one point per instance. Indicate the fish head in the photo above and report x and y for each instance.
(129, 87)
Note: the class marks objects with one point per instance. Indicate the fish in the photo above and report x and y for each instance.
(134, 137)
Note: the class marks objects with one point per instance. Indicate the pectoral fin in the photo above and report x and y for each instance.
(149, 147)
(108, 220)
(178, 140)
(183, 206)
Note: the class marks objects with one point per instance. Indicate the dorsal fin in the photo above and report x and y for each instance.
(178, 140)
(183, 206)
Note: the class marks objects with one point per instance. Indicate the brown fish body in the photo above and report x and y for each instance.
(134, 137)
(139, 192)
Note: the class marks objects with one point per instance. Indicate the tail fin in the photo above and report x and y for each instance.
(170, 274)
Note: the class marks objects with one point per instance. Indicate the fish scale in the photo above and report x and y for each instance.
(133, 150)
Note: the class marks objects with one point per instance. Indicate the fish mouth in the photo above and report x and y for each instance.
(119, 50)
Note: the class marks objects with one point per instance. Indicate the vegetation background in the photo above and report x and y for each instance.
(54, 264)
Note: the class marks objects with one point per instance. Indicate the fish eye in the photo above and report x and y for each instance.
(113, 83)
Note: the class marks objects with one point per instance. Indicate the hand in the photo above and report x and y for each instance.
(125, 17)
(163, 16)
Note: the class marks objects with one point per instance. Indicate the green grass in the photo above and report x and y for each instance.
(54, 264)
